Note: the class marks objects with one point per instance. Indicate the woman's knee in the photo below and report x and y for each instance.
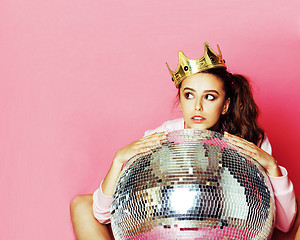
(81, 204)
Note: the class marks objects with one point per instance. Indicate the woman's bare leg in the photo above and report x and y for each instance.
(85, 226)
(294, 233)
(298, 234)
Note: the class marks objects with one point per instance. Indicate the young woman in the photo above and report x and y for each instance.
(210, 98)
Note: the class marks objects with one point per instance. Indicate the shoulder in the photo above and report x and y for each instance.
(171, 125)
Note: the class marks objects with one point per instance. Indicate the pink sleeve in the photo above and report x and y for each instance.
(171, 125)
(285, 201)
(101, 206)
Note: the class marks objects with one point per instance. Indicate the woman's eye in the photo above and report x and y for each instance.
(210, 97)
(188, 95)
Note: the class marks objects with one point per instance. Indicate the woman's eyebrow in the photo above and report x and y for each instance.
(215, 91)
(187, 88)
(205, 91)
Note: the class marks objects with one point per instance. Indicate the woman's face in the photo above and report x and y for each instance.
(202, 101)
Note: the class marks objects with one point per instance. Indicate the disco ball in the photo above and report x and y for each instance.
(194, 186)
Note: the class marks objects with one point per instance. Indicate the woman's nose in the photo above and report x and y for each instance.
(198, 105)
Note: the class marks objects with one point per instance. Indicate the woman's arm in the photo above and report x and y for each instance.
(286, 208)
(142, 145)
(103, 196)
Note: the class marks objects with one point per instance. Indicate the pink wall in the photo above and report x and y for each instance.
(80, 79)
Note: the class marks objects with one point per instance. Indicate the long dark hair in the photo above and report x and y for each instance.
(241, 117)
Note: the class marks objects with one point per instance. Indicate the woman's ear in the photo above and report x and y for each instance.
(180, 106)
(226, 106)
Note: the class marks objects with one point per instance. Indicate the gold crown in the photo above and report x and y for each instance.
(187, 67)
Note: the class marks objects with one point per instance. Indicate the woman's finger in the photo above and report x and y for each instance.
(242, 145)
(239, 142)
(235, 138)
(149, 144)
(155, 135)
(248, 153)
(152, 139)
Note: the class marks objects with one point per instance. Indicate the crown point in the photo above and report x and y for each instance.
(219, 51)
(169, 67)
(182, 55)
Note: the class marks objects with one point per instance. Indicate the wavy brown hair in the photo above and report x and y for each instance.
(241, 118)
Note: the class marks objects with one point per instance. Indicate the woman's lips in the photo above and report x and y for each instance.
(197, 119)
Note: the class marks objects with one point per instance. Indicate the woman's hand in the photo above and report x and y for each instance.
(142, 145)
(250, 149)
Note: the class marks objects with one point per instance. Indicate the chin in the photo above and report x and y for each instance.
(198, 127)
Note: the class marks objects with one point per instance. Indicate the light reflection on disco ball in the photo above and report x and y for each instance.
(195, 186)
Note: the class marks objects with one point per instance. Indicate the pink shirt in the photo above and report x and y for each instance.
(283, 188)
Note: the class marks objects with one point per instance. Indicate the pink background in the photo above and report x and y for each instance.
(81, 79)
